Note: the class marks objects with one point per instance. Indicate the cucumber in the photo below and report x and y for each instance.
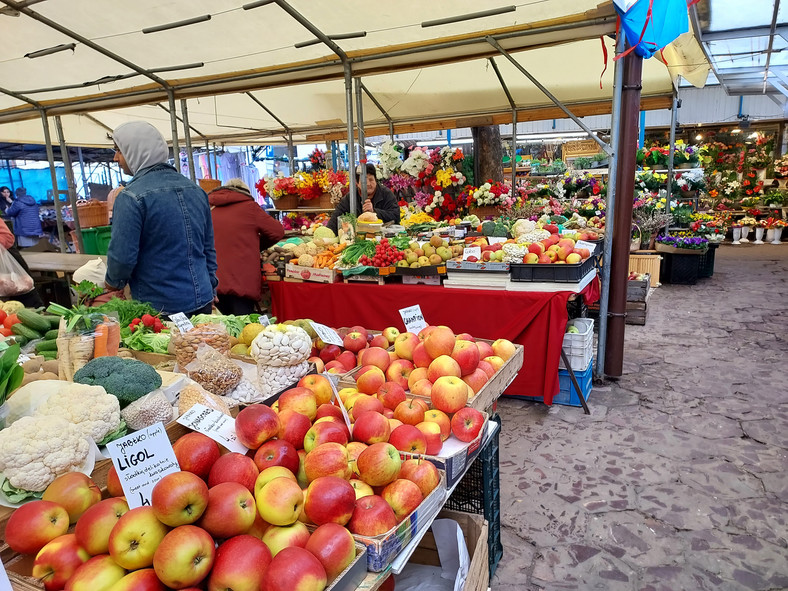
(50, 345)
(26, 331)
(34, 321)
(54, 321)
(49, 355)
(51, 334)
(20, 340)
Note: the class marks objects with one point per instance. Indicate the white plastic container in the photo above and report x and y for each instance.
(579, 347)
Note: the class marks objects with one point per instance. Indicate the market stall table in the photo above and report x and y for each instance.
(57, 261)
(535, 320)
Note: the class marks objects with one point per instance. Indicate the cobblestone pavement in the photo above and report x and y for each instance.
(679, 478)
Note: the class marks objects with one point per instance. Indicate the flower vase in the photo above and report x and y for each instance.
(760, 174)
(744, 231)
(770, 235)
(781, 182)
(778, 233)
(736, 235)
(758, 236)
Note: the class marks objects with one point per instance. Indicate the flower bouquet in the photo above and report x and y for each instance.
(750, 202)
(758, 157)
(655, 156)
(649, 180)
(682, 245)
(318, 159)
(390, 155)
(781, 168)
(685, 156)
(774, 199)
(689, 182)
(332, 183)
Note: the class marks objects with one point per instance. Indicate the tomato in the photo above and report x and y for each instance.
(6, 332)
(10, 320)
(2, 315)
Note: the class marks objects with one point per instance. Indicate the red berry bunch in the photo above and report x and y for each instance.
(385, 255)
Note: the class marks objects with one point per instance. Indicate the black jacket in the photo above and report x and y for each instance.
(383, 200)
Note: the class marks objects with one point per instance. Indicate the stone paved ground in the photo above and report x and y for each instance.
(679, 478)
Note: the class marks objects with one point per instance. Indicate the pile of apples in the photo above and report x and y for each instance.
(490, 252)
(633, 276)
(339, 360)
(434, 252)
(555, 250)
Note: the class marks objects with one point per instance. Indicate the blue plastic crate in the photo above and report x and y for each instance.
(567, 394)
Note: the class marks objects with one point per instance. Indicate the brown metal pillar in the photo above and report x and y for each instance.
(622, 224)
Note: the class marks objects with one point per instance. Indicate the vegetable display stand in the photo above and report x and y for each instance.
(92, 214)
(286, 202)
(681, 269)
(479, 492)
(552, 273)
(706, 262)
(484, 211)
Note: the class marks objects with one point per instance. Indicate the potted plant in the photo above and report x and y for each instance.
(760, 228)
(774, 199)
(781, 170)
(684, 260)
(774, 229)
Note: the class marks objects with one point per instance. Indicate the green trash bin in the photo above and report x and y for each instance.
(94, 240)
(103, 235)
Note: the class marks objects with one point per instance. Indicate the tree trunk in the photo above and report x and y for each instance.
(488, 154)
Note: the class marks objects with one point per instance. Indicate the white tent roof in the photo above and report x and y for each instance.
(440, 75)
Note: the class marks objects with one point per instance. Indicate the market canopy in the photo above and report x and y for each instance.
(98, 64)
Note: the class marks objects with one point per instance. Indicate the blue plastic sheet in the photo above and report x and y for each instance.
(650, 25)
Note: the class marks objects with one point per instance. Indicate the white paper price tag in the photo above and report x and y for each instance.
(472, 251)
(327, 334)
(215, 424)
(338, 401)
(413, 319)
(496, 239)
(5, 584)
(583, 244)
(141, 460)
(183, 323)
(264, 320)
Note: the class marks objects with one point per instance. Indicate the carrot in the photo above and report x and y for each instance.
(113, 338)
(100, 341)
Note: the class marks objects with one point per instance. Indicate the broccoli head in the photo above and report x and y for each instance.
(126, 379)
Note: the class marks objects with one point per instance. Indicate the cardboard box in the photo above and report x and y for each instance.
(310, 274)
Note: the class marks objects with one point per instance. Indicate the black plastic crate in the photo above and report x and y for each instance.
(706, 263)
(479, 492)
(552, 273)
(680, 269)
(577, 308)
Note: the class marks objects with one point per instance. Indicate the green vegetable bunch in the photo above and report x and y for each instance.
(11, 373)
(126, 379)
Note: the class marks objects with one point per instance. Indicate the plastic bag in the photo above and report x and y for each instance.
(14, 280)
(75, 349)
(186, 344)
(214, 371)
(271, 380)
(148, 410)
(195, 394)
(94, 271)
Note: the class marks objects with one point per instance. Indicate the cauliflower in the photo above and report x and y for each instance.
(94, 411)
(521, 227)
(299, 250)
(306, 260)
(36, 450)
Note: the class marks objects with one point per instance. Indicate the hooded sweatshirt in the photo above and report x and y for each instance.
(241, 230)
(25, 212)
(141, 145)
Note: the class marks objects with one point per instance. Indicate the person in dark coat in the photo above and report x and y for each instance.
(5, 198)
(241, 230)
(379, 199)
(27, 223)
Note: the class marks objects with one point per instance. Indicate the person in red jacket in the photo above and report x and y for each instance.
(241, 230)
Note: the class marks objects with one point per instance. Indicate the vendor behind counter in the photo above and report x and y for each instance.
(379, 200)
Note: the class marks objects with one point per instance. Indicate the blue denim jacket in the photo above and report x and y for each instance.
(162, 241)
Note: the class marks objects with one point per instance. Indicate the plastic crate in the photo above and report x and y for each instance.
(579, 347)
(479, 492)
(680, 269)
(577, 308)
(552, 273)
(706, 262)
(567, 394)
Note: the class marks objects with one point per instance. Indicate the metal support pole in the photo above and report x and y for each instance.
(188, 137)
(334, 155)
(291, 154)
(391, 130)
(622, 229)
(607, 245)
(72, 188)
(351, 146)
(215, 162)
(176, 149)
(671, 152)
(380, 108)
(362, 149)
(514, 150)
(604, 145)
(53, 173)
(208, 157)
(85, 188)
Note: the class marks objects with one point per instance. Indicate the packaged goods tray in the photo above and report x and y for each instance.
(551, 273)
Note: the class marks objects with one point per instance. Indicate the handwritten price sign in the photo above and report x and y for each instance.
(215, 424)
(413, 319)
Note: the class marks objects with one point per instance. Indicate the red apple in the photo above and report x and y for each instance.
(449, 394)
(114, 487)
(360, 329)
(328, 459)
(354, 449)
(391, 394)
(422, 388)
(418, 374)
(441, 419)
(394, 423)
(195, 452)
(410, 412)
(439, 341)
(432, 437)
(294, 427)
(330, 499)
(179, 499)
(337, 422)
(295, 569)
(371, 427)
(388, 413)
(467, 423)
(379, 341)
(230, 511)
(405, 344)
(234, 467)
(409, 439)
(354, 341)
(256, 424)
(476, 380)
(336, 367)
(495, 361)
(135, 537)
(334, 547)
(319, 365)
(399, 372)
(279, 537)
(488, 369)
(403, 496)
(485, 350)
(369, 379)
(364, 404)
(95, 525)
(465, 337)
(378, 357)
(99, 573)
(379, 464)
(277, 452)
(35, 524)
(139, 580)
(75, 492)
(425, 332)
(372, 516)
(184, 557)
(421, 472)
(301, 400)
(240, 565)
(328, 410)
(329, 353)
(466, 354)
(325, 432)
(348, 360)
(443, 366)
(56, 562)
(420, 356)
(269, 474)
(503, 349)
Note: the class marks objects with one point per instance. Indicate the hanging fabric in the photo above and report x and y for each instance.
(650, 25)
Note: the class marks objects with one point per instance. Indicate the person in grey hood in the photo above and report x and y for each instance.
(162, 235)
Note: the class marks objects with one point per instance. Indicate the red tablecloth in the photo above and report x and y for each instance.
(535, 320)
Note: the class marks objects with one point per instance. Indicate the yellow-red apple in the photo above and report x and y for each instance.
(441, 419)
(419, 373)
(361, 488)
(372, 516)
(485, 349)
(294, 427)
(184, 557)
(371, 427)
(408, 438)
(421, 472)
(495, 361)
(57, 561)
(330, 499)
(399, 371)
(391, 394)
(449, 394)
(115, 489)
(179, 499)
(295, 569)
(365, 403)
(256, 424)
(476, 380)
(404, 345)
(75, 492)
(93, 528)
(422, 388)
(279, 537)
(420, 356)
(378, 357)
(503, 349)
(486, 368)
(379, 464)
(391, 333)
(139, 580)
(334, 547)
(439, 341)
(100, 573)
(239, 565)
(467, 423)
(441, 366)
(324, 432)
(410, 412)
(280, 501)
(33, 525)
(466, 354)
(230, 511)
(432, 437)
(301, 400)
(234, 467)
(369, 378)
(403, 496)
(269, 474)
(328, 459)
(135, 537)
